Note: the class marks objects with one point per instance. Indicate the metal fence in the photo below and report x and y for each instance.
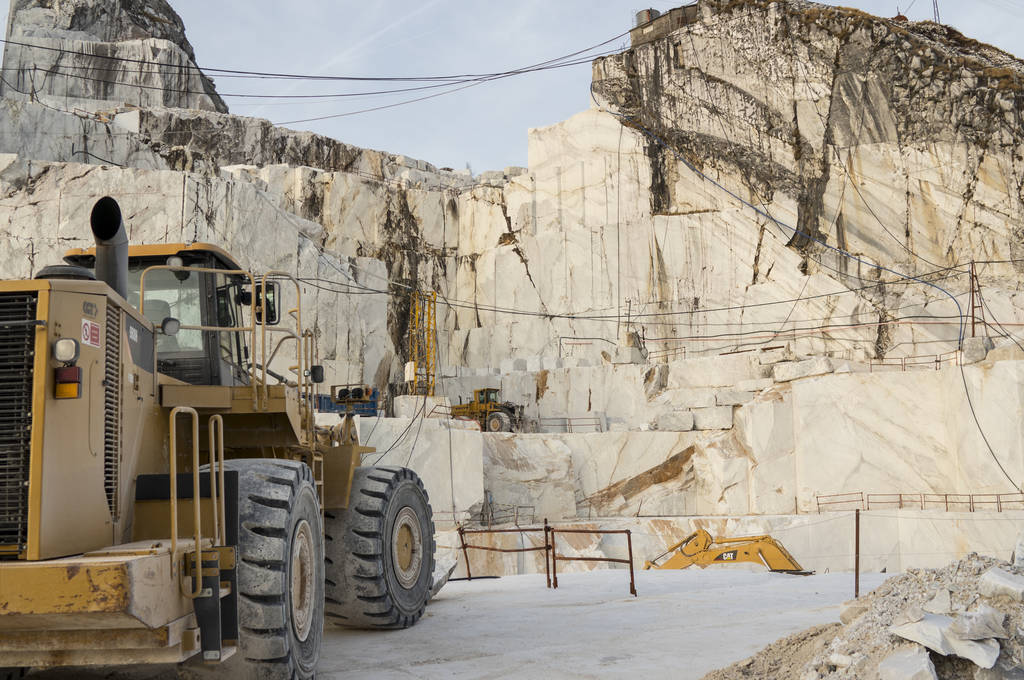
(551, 556)
(948, 502)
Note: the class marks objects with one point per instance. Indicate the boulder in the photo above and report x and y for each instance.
(934, 632)
(999, 583)
(909, 663)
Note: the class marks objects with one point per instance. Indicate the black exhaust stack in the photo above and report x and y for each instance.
(111, 245)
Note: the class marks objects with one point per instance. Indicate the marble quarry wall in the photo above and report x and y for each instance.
(609, 241)
(702, 290)
(773, 449)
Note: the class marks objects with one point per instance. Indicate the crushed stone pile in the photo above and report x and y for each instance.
(964, 621)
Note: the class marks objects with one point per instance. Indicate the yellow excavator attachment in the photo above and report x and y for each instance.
(703, 550)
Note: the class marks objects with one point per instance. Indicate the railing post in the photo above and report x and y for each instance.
(554, 559)
(465, 553)
(547, 551)
(632, 580)
(999, 502)
(856, 554)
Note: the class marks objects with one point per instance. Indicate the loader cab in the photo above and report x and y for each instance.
(210, 300)
(486, 396)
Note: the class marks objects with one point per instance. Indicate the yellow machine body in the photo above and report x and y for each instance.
(485, 409)
(703, 550)
(91, 572)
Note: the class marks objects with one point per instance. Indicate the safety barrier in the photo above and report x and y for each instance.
(571, 424)
(935, 361)
(948, 502)
(551, 556)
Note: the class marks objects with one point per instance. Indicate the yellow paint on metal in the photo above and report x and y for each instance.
(422, 346)
(24, 286)
(64, 587)
(702, 550)
(158, 250)
(35, 465)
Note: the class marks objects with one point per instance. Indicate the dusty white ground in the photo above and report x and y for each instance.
(682, 625)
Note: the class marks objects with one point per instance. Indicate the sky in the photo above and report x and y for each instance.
(483, 127)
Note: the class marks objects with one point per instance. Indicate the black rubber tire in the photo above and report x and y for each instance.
(274, 498)
(364, 588)
(499, 421)
(12, 673)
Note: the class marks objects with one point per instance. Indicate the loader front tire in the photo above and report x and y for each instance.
(380, 551)
(280, 574)
(499, 421)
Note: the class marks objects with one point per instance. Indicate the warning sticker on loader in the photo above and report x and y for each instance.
(90, 333)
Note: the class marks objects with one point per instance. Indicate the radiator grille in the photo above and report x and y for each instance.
(17, 344)
(112, 409)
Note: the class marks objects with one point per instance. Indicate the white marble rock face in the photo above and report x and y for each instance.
(762, 387)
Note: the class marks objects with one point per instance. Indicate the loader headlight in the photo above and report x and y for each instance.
(66, 350)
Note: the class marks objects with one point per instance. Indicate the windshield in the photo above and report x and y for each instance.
(168, 295)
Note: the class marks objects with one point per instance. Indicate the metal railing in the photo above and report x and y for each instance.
(947, 502)
(935, 361)
(551, 556)
(504, 513)
(570, 424)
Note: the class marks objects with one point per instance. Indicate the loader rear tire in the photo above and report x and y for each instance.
(380, 551)
(280, 574)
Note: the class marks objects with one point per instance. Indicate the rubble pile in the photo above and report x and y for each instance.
(962, 622)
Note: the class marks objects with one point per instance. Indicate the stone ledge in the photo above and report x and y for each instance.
(674, 421)
(794, 370)
(733, 398)
(712, 418)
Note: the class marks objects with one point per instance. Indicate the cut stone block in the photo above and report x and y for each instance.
(911, 663)
(689, 398)
(733, 398)
(714, 418)
(998, 583)
(1018, 553)
(794, 370)
(774, 356)
(629, 355)
(755, 385)
(674, 421)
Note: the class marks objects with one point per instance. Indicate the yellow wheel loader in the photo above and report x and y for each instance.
(165, 495)
(491, 414)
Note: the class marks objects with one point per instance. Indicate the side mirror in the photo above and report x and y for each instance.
(266, 302)
(316, 374)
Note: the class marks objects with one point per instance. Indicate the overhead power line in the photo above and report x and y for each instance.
(192, 68)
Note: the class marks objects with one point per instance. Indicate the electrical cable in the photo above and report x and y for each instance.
(293, 76)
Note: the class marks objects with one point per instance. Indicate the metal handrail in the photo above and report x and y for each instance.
(220, 528)
(196, 512)
(1001, 501)
(295, 313)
